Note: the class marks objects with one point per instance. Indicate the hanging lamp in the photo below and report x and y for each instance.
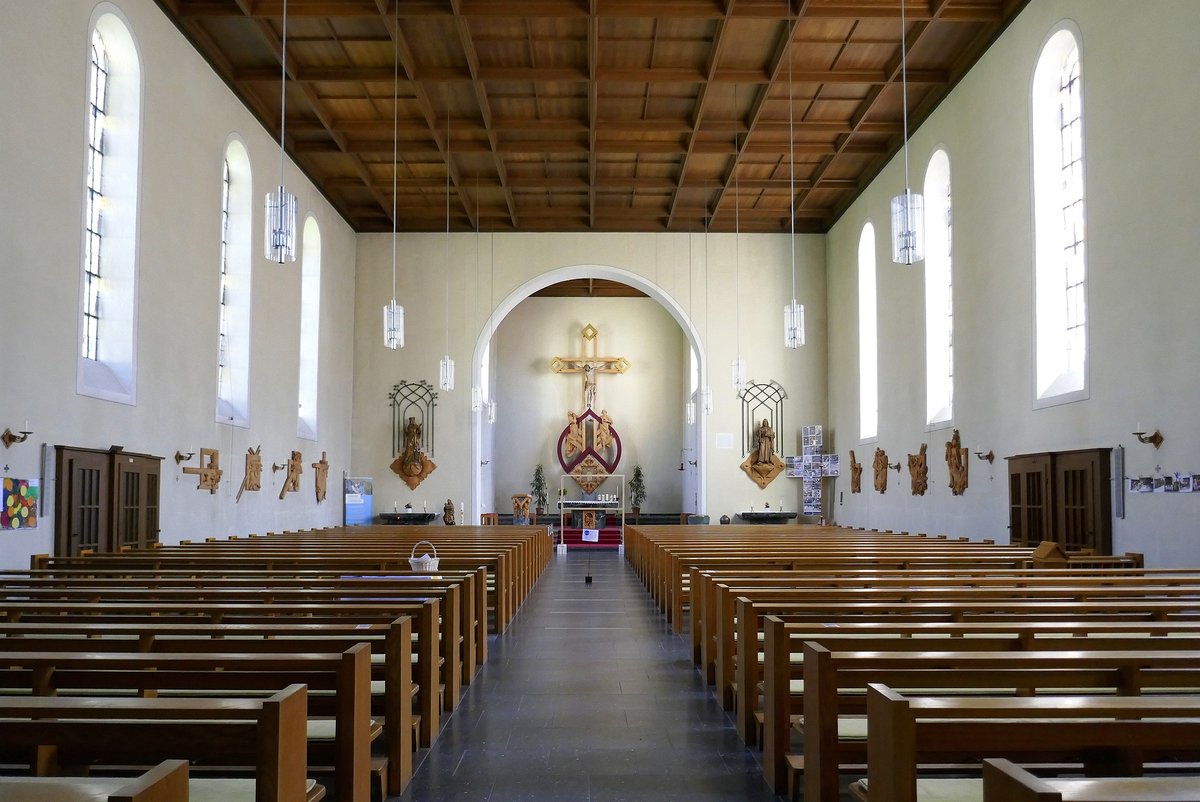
(393, 313)
(476, 392)
(908, 209)
(793, 313)
(706, 399)
(279, 238)
(446, 366)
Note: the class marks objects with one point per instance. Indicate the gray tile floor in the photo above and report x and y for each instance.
(588, 696)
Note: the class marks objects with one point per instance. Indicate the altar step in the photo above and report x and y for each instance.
(610, 538)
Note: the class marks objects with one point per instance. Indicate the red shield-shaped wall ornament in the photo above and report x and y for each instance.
(589, 449)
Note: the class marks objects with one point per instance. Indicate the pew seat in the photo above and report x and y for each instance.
(1004, 781)
(166, 782)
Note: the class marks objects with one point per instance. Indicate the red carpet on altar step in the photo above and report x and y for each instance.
(610, 538)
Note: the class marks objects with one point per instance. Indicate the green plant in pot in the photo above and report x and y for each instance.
(637, 490)
(537, 489)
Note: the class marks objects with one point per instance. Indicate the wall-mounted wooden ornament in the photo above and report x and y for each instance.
(253, 479)
(855, 474)
(880, 466)
(412, 465)
(918, 471)
(322, 476)
(956, 461)
(763, 464)
(209, 470)
(294, 467)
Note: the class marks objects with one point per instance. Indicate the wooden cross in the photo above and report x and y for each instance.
(589, 364)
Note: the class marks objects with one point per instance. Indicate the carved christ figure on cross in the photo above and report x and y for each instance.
(589, 364)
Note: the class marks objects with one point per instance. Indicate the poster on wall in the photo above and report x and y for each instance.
(19, 504)
(357, 500)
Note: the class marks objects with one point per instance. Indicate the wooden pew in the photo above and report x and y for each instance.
(835, 683)
(338, 684)
(393, 641)
(166, 782)
(425, 625)
(1003, 781)
(1106, 734)
(267, 734)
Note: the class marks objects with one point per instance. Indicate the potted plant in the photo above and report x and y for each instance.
(637, 491)
(537, 489)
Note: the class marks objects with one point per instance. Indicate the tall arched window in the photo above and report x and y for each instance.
(233, 336)
(868, 337)
(107, 365)
(939, 296)
(1059, 222)
(310, 321)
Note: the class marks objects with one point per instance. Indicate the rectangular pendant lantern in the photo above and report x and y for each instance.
(393, 325)
(793, 324)
(279, 238)
(908, 230)
(446, 371)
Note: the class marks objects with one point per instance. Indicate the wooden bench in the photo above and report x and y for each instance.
(265, 734)
(166, 782)
(835, 684)
(1107, 735)
(392, 705)
(1003, 781)
(338, 685)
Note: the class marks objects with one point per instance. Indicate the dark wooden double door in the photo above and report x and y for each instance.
(106, 500)
(1062, 496)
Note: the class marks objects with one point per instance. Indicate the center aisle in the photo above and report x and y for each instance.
(588, 696)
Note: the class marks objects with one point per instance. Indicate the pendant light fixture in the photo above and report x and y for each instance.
(908, 209)
(446, 366)
(737, 368)
(793, 313)
(476, 392)
(706, 401)
(279, 238)
(393, 313)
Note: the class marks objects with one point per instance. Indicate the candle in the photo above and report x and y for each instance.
(26, 428)
(1139, 428)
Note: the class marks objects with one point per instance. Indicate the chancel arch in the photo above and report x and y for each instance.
(481, 430)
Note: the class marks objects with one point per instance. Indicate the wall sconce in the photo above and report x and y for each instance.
(181, 457)
(276, 467)
(989, 457)
(9, 438)
(894, 466)
(1156, 438)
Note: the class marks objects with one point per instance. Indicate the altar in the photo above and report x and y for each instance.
(767, 516)
(407, 518)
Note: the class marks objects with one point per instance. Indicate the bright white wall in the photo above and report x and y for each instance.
(1141, 174)
(488, 272)
(188, 113)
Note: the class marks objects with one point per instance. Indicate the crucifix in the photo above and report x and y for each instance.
(589, 364)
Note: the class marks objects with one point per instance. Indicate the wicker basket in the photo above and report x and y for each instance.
(424, 562)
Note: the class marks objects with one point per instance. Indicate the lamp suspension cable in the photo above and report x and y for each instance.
(689, 408)
(793, 313)
(476, 392)
(908, 208)
(446, 366)
(705, 390)
(738, 365)
(393, 313)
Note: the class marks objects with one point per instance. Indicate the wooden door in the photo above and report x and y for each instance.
(136, 506)
(1030, 497)
(82, 507)
(1083, 500)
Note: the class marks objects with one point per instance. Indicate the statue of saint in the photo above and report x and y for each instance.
(448, 513)
(918, 469)
(603, 437)
(880, 466)
(574, 440)
(764, 437)
(412, 443)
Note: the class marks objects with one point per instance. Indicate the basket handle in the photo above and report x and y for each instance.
(413, 553)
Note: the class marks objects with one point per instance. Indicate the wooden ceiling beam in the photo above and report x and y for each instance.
(593, 109)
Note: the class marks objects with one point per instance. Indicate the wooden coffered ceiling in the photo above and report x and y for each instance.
(591, 115)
